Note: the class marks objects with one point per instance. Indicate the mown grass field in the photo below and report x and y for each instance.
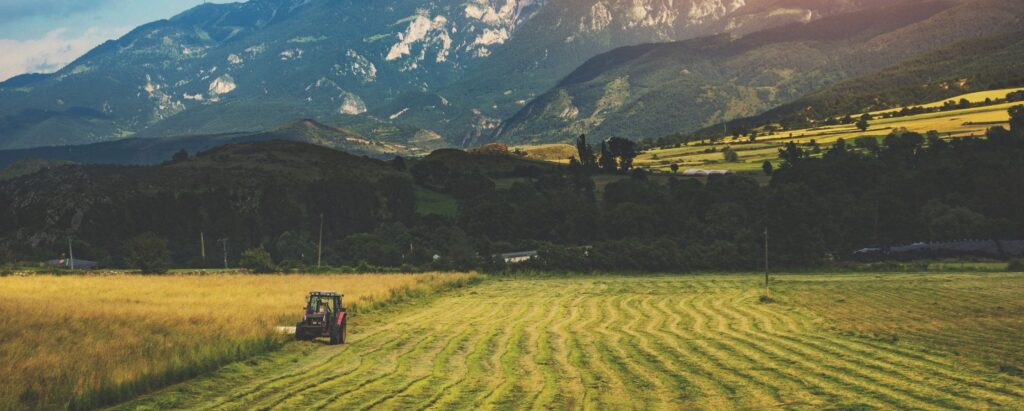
(693, 342)
(970, 122)
(78, 341)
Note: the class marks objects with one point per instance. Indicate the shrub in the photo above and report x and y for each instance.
(148, 253)
(1015, 265)
(258, 261)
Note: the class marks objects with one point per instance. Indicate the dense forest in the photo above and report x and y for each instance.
(272, 197)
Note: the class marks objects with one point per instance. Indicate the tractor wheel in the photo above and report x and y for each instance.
(299, 335)
(335, 333)
(344, 331)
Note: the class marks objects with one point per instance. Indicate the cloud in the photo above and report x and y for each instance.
(50, 52)
(11, 10)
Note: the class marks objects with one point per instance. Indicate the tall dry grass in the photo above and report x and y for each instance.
(84, 341)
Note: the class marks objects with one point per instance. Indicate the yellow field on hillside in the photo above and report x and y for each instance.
(970, 122)
(976, 97)
(554, 153)
(97, 339)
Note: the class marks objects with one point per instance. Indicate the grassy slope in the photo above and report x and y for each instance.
(649, 91)
(971, 122)
(644, 342)
(123, 335)
(964, 67)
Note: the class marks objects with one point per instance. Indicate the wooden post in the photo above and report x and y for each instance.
(766, 292)
(320, 243)
(225, 241)
(202, 245)
(71, 255)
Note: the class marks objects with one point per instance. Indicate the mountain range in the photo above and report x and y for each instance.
(398, 72)
(648, 91)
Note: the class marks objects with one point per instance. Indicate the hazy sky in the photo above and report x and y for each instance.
(44, 35)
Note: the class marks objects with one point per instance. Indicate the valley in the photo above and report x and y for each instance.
(524, 204)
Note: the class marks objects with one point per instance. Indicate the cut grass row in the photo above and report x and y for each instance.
(650, 342)
(83, 341)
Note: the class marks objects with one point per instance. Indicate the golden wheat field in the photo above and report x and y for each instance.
(828, 341)
(969, 122)
(76, 341)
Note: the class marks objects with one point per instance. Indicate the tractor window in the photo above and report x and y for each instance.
(322, 304)
(314, 305)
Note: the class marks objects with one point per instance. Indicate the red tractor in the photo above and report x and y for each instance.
(323, 317)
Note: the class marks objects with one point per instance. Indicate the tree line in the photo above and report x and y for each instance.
(596, 214)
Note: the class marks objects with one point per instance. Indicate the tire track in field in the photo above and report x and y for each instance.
(404, 374)
(895, 359)
(863, 371)
(567, 380)
(602, 385)
(637, 379)
(807, 362)
(439, 326)
(466, 346)
(316, 380)
(672, 387)
(550, 349)
(513, 354)
(325, 359)
(473, 362)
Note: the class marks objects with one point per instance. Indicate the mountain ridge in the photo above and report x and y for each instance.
(228, 67)
(652, 90)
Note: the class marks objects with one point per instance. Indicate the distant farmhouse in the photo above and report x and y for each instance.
(70, 263)
(696, 172)
(517, 257)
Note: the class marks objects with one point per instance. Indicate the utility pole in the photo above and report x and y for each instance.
(320, 243)
(71, 255)
(225, 241)
(766, 295)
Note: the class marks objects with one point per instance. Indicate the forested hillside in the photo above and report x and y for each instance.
(270, 195)
(969, 66)
(649, 91)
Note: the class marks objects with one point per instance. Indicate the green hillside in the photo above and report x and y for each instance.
(964, 67)
(648, 91)
(157, 150)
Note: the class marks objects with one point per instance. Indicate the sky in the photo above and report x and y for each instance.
(41, 36)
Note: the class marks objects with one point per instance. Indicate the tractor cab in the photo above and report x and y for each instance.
(323, 303)
(323, 316)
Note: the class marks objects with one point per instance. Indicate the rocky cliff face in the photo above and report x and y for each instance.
(393, 71)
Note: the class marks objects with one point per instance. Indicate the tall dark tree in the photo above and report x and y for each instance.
(608, 163)
(623, 149)
(864, 123)
(586, 154)
(791, 154)
(1017, 121)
